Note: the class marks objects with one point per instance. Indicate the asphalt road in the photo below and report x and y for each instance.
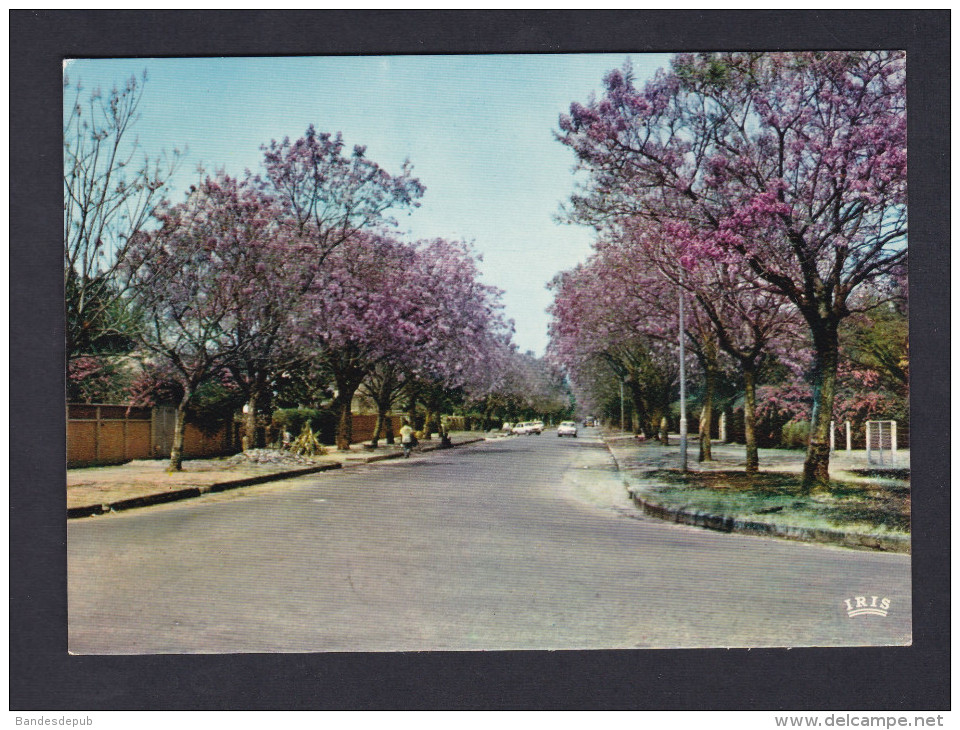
(526, 542)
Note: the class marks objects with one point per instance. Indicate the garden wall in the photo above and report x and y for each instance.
(113, 434)
(364, 423)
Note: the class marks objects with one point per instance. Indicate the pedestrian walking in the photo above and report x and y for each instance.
(407, 439)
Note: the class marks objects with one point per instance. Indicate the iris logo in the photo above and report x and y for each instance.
(867, 606)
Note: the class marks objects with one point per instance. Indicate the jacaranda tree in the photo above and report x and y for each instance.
(749, 322)
(325, 198)
(795, 163)
(419, 308)
(196, 280)
(599, 316)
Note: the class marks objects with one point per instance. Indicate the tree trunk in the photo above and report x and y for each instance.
(750, 417)
(638, 414)
(427, 421)
(179, 426)
(431, 422)
(654, 422)
(382, 391)
(344, 425)
(345, 415)
(377, 429)
(488, 417)
(384, 425)
(250, 421)
(816, 468)
(706, 415)
(412, 408)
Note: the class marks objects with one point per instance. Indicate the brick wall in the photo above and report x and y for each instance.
(107, 434)
(111, 434)
(364, 423)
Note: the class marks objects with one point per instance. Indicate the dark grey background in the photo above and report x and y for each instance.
(44, 677)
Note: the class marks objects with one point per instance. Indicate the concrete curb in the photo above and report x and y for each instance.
(765, 529)
(190, 492)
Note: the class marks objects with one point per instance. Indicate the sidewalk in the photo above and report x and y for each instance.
(718, 495)
(141, 483)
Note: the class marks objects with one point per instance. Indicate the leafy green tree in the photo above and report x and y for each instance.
(877, 340)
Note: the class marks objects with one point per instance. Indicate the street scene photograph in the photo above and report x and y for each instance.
(501, 352)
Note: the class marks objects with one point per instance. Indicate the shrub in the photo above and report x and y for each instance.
(455, 423)
(795, 435)
(323, 423)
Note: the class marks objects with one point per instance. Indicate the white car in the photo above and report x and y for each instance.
(567, 428)
(528, 427)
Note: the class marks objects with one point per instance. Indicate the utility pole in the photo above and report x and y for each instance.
(683, 387)
(621, 404)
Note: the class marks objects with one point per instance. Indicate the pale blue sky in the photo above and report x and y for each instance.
(478, 130)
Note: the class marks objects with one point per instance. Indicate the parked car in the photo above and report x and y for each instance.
(528, 427)
(507, 427)
(567, 428)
